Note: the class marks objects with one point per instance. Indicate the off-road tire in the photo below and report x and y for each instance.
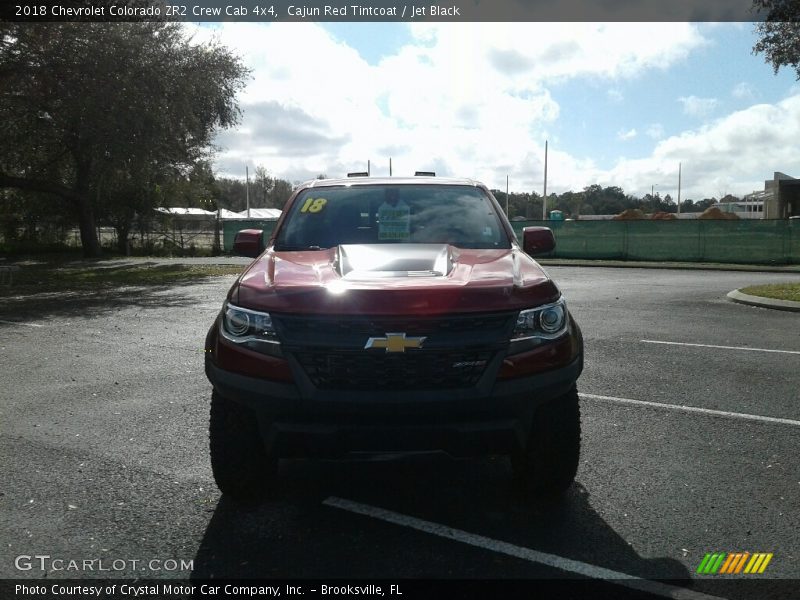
(547, 467)
(241, 466)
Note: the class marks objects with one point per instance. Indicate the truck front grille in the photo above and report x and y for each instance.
(456, 351)
(376, 370)
(491, 325)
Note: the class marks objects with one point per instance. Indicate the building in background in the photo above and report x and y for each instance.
(749, 207)
(781, 197)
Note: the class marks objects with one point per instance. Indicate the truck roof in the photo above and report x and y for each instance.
(418, 180)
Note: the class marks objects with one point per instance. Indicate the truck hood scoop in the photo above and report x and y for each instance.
(376, 261)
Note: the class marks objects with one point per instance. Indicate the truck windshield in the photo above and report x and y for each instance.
(324, 217)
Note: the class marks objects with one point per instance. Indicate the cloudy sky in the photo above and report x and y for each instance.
(620, 104)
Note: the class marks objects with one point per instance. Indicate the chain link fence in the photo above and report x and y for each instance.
(697, 240)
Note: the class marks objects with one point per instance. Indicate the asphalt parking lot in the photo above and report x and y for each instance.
(103, 442)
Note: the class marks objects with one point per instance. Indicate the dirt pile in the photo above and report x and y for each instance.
(713, 212)
(663, 216)
(629, 214)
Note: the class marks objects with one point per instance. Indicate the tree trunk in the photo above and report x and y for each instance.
(88, 229)
(123, 244)
(86, 221)
(79, 195)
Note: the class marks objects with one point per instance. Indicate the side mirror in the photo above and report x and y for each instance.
(537, 240)
(249, 242)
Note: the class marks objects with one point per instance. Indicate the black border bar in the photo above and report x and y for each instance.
(381, 589)
(405, 11)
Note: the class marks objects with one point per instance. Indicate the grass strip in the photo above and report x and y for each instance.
(778, 291)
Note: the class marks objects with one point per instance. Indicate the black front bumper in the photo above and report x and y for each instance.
(461, 422)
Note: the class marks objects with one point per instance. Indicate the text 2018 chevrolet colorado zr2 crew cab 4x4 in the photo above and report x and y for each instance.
(391, 315)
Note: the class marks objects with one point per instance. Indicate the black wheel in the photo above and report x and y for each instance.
(241, 466)
(548, 464)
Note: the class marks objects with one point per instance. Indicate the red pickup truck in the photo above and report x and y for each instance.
(393, 315)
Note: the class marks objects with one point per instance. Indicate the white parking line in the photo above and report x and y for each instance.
(722, 347)
(693, 409)
(551, 560)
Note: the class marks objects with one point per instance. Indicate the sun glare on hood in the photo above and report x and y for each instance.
(371, 261)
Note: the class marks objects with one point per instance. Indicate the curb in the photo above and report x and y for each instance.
(762, 302)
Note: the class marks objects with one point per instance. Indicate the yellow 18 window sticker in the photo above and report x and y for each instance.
(313, 205)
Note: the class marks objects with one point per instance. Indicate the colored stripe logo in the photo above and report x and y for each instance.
(734, 563)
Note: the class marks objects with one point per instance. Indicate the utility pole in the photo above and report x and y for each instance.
(507, 216)
(216, 249)
(390, 166)
(368, 170)
(652, 190)
(544, 199)
(679, 188)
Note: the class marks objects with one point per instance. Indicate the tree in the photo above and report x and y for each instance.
(779, 33)
(128, 192)
(571, 202)
(262, 185)
(603, 201)
(532, 208)
(705, 203)
(649, 203)
(26, 217)
(279, 194)
(87, 107)
(231, 192)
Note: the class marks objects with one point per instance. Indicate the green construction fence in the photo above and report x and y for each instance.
(753, 241)
(696, 240)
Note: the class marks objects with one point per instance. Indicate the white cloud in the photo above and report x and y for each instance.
(474, 100)
(743, 91)
(470, 98)
(655, 131)
(698, 107)
(626, 135)
(734, 154)
(548, 51)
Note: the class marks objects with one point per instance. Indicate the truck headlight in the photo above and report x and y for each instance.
(249, 328)
(546, 322)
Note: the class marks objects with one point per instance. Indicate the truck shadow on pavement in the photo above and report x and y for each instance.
(293, 534)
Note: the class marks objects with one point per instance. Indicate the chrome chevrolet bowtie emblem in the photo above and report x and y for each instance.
(394, 342)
